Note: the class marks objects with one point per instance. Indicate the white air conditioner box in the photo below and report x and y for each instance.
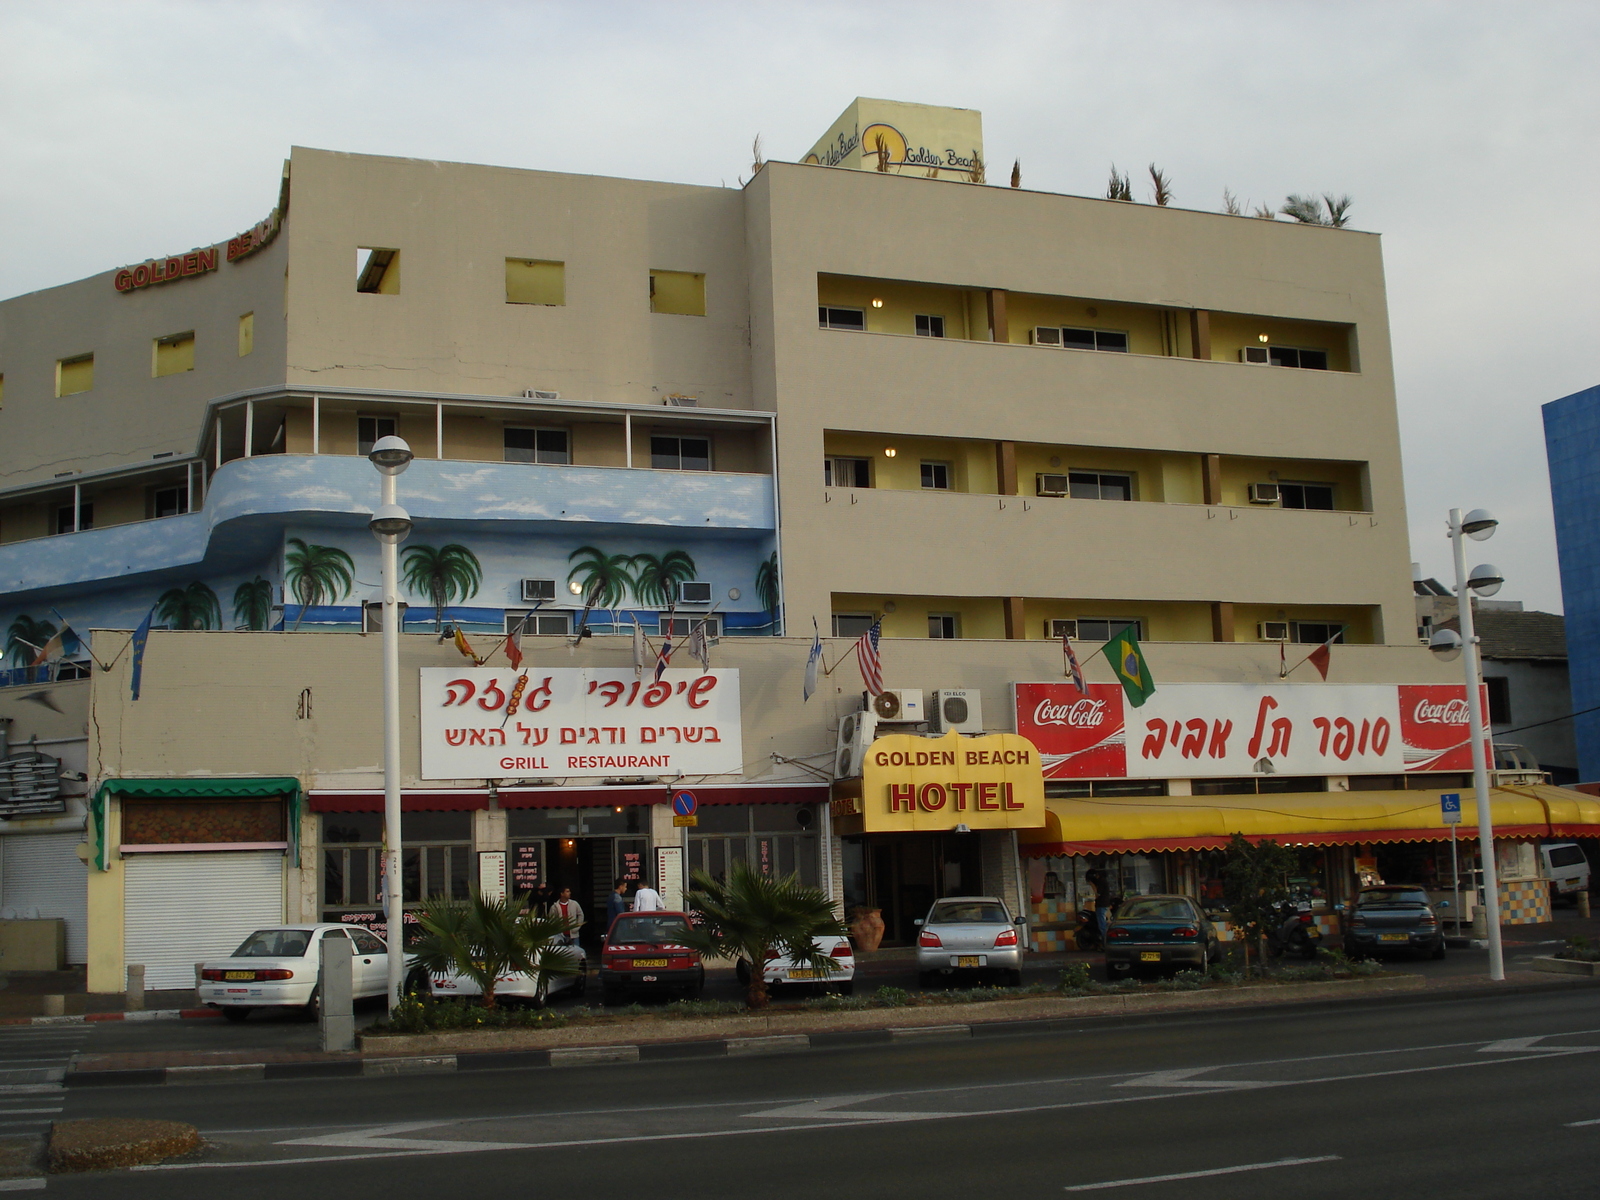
(897, 704)
(694, 591)
(960, 709)
(857, 731)
(538, 589)
(1256, 356)
(1053, 485)
(535, 394)
(1273, 631)
(1057, 628)
(1264, 493)
(1046, 335)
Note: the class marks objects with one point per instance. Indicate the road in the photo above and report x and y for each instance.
(1463, 1097)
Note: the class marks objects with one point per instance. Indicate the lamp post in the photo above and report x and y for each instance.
(390, 524)
(1483, 580)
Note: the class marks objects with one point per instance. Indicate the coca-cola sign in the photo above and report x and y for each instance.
(1082, 713)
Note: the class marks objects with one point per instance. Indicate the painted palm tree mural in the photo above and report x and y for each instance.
(192, 607)
(316, 575)
(26, 637)
(449, 573)
(605, 578)
(656, 580)
(252, 603)
(767, 587)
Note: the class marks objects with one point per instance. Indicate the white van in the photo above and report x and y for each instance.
(1567, 868)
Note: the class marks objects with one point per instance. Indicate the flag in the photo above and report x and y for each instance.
(49, 652)
(867, 656)
(1283, 662)
(141, 635)
(664, 657)
(1320, 658)
(699, 650)
(1073, 668)
(638, 648)
(514, 644)
(1123, 653)
(466, 647)
(812, 661)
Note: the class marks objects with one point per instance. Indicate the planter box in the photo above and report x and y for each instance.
(1565, 966)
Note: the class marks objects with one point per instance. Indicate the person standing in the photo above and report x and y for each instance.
(617, 902)
(569, 911)
(647, 899)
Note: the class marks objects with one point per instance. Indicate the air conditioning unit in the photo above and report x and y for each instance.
(960, 709)
(676, 401)
(1273, 631)
(694, 591)
(1061, 629)
(857, 731)
(1264, 493)
(897, 704)
(1046, 335)
(534, 394)
(1256, 356)
(1053, 485)
(538, 589)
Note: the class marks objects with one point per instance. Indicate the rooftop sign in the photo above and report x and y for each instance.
(909, 139)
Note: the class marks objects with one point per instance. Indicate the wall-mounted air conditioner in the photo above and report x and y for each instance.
(960, 709)
(538, 589)
(1264, 493)
(897, 704)
(1046, 335)
(535, 394)
(856, 733)
(694, 591)
(676, 401)
(1255, 356)
(1273, 631)
(1053, 485)
(1061, 629)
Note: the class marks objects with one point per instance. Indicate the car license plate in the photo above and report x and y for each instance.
(649, 962)
(238, 974)
(1149, 956)
(803, 973)
(1394, 937)
(968, 960)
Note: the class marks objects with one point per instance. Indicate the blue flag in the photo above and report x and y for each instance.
(141, 635)
(813, 660)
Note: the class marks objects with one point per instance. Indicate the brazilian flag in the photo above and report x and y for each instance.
(1122, 652)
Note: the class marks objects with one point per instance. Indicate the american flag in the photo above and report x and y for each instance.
(867, 655)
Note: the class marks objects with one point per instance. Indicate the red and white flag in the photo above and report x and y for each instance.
(1073, 668)
(867, 655)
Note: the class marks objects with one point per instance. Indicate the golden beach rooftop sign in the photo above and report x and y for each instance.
(918, 783)
(916, 139)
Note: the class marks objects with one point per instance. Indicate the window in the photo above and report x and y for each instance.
(1314, 633)
(436, 861)
(929, 326)
(377, 271)
(847, 472)
(678, 292)
(1094, 339)
(247, 334)
(936, 475)
(680, 453)
(1099, 485)
(74, 375)
(776, 839)
(531, 281)
(370, 429)
(944, 625)
(851, 625)
(682, 627)
(1306, 495)
(1499, 688)
(537, 446)
(538, 624)
(64, 523)
(1066, 788)
(170, 501)
(172, 355)
(842, 318)
(1288, 356)
(1103, 629)
(1264, 784)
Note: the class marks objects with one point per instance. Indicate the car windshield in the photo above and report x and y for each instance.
(650, 929)
(969, 912)
(1394, 895)
(1155, 909)
(275, 943)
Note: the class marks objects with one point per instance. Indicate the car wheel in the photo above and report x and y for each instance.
(580, 986)
(1013, 977)
(1438, 951)
(1116, 971)
(742, 970)
(541, 992)
(847, 988)
(313, 1008)
(236, 1014)
(417, 983)
(924, 979)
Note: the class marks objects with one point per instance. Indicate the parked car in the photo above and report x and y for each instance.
(1390, 918)
(1568, 868)
(969, 933)
(784, 970)
(1161, 933)
(517, 987)
(281, 967)
(645, 952)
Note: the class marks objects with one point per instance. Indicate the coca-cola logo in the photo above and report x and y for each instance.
(1451, 712)
(1080, 714)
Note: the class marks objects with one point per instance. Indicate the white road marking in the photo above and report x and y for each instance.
(381, 1138)
(1525, 1045)
(1185, 1079)
(1581, 1124)
(1264, 1166)
(22, 1185)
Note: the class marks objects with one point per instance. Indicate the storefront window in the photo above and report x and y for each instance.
(778, 839)
(436, 862)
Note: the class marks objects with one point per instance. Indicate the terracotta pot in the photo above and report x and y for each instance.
(866, 929)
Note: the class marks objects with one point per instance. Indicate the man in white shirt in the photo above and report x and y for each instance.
(647, 899)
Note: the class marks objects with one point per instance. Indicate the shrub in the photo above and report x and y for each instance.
(1074, 977)
(1579, 949)
(424, 1014)
(890, 997)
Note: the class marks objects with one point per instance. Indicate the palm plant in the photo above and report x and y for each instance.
(1230, 203)
(192, 607)
(1119, 187)
(605, 577)
(26, 638)
(313, 574)
(252, 603)
(1160, 185)
(656, 580)
(1310, 210)
(1016, 174)
(757, 918)
(449, 573)
(767, 587)
(482, 940)
(1338, 209)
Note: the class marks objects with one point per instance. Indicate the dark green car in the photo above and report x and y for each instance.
(1159, 934)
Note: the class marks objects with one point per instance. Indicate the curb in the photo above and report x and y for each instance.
(155, 1014)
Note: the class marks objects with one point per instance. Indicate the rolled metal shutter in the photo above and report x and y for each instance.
(179, 909)
(43, 871)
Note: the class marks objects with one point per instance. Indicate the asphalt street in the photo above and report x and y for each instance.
(1468, 1096)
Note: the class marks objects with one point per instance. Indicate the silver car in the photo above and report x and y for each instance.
(969, 933)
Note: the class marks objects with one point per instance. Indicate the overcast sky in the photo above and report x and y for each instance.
(1466, 133)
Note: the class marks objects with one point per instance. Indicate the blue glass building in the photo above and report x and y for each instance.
(1572, 445)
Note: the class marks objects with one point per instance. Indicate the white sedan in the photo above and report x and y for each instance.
(280, 967)
(840, 979)
(533, 989)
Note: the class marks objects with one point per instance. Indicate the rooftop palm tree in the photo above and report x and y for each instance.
(316, 574)
(449, 573)
(26, 638)
(767, 587)
(605, 577)
(192, 607)
(655, 580)
(756, 918)
(486, 939)
(252, 603)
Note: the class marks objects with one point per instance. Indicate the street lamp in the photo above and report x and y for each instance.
(1485, 580)
(390, 524)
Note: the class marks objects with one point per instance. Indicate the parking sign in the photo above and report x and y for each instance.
(1450, 808)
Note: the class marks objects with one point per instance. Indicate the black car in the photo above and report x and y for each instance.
(1393, 918)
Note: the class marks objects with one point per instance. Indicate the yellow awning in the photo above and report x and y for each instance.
(1084, 825)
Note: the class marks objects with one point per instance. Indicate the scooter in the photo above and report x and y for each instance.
(1295, 933)
(1087, 934)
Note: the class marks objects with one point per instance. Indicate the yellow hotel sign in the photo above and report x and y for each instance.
(917, 783)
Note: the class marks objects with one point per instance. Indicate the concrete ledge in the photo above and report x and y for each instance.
(782, 1044)
(419, 1065)
(21, 1157)
(585, 1056)
(223, 1073)
(105, 1144)
(1565, 966)
(931, 1033)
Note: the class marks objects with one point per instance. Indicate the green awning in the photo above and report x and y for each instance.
(286, 786)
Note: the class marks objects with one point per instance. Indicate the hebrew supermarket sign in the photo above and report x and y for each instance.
(1190, 730)
(565, 722)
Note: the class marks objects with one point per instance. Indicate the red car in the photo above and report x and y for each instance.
(645, 952)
